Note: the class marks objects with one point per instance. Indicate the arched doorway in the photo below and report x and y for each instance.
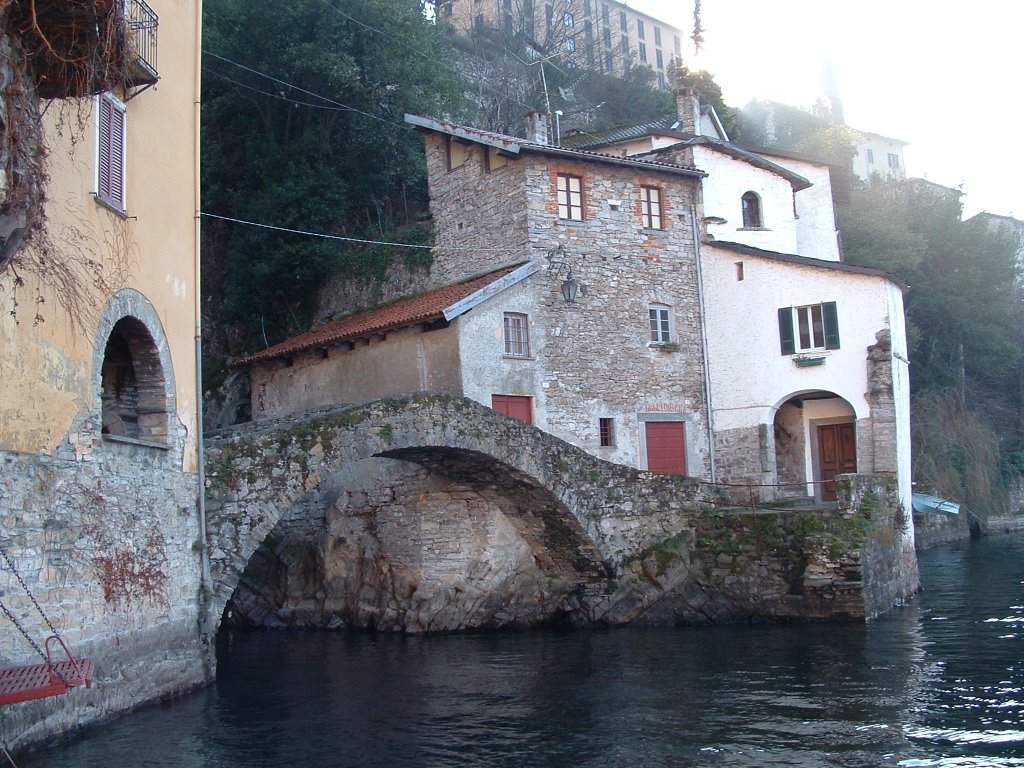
(815, 440)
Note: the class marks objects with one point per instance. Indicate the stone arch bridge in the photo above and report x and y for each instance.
(430, 512)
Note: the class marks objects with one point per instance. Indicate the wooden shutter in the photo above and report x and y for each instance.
(830, 319)
(786, 339)
(110, 153)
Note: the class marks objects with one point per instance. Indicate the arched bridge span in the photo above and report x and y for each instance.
(581, 516)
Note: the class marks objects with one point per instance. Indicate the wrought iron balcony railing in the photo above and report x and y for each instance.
(142, 28)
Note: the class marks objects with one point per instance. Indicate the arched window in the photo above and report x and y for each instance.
(133, 395)
(751, 210)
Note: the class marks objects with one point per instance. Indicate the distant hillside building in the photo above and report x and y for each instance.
(1006, 224)
(879, 157)
(602, 35)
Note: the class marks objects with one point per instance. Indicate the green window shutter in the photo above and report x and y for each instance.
(786, 339)
(831, 320)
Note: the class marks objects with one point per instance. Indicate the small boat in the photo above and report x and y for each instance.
(923, 503)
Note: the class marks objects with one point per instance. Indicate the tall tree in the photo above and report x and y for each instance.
(964, 310)
(303, 129)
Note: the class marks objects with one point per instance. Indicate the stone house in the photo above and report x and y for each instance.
(708, 324)
(99, 437)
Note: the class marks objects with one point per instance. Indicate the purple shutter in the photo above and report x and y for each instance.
(110, 186)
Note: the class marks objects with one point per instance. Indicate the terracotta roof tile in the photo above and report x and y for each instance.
(425, 307)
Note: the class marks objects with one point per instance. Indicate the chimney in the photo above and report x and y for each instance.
(688, 110)
(537, 128)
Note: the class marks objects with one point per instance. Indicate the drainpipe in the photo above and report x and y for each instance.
(205, 583)
(704, 342)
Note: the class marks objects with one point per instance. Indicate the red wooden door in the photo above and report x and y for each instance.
(516, 406)
(837, 454)
(666, 447)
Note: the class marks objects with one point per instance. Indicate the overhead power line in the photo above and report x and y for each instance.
(344, 238)
(296, 102)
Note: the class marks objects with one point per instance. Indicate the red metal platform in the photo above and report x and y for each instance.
(37, 681)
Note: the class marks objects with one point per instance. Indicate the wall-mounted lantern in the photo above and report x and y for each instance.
(559, 262)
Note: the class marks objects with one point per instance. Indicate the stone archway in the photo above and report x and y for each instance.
(815, 440)
(426, 540)
(132, 374)
(514, 490)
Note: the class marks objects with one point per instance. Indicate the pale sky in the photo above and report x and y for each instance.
(944, 75)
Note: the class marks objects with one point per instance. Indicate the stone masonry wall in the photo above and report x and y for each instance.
(107, 541)
(479, 215)
(594, 358)
(880, 434)
(400, 548)
(622, 546)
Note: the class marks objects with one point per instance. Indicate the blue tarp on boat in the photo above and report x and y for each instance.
(933, 504)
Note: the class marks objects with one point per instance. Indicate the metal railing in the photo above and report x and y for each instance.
(770, 497)
(142, 27)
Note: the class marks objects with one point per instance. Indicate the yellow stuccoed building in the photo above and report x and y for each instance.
(101, 517)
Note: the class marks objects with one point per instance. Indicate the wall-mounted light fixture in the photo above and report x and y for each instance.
(558, 261)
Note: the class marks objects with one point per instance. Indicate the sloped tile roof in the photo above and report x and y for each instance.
(425, 307)
(583, 140)
(517, 146)
(806, 261)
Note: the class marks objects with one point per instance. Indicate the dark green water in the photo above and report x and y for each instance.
(938, 683)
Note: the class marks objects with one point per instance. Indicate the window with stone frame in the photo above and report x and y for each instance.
(662, 324)
(517, 335)
(809, 328)
(606, 431)
(650, 206)
(570, 197)
(751, 205)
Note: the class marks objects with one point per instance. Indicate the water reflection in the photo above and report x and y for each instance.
(936, 684)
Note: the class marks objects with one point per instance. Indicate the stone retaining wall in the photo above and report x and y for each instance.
(109, 546)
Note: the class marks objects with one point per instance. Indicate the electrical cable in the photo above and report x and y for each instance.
(351, 240)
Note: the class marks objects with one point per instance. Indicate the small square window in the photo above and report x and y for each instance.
(517, 335)
(607, 432)
(570, 197)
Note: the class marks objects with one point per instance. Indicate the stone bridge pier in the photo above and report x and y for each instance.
(433, 513)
